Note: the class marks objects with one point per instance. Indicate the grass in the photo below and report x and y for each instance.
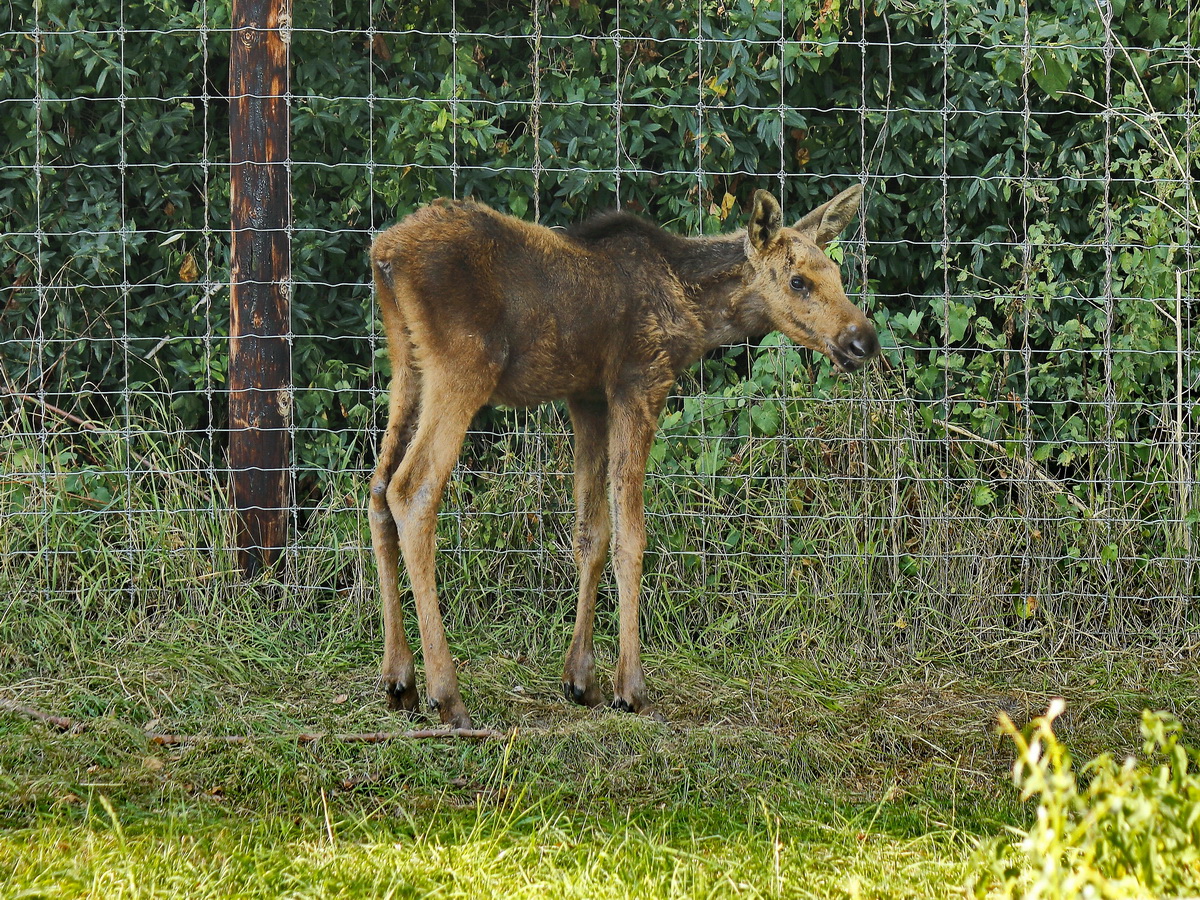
(823, 739)
(519, 854)
(777, 777)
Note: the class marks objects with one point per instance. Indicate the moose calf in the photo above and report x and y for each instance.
(482, 308)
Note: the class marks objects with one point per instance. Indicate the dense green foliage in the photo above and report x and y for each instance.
(117, 133)
(1029, 209)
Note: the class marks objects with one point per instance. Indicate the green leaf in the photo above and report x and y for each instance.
(982, 495)
(957, 321)
(765, 419)
(1051, 74)
(710, 461)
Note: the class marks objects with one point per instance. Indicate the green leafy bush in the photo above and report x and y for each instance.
(1118, 830)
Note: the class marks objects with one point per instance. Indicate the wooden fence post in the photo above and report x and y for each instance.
(260, 363)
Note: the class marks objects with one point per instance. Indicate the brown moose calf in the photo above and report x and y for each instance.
(481, 308)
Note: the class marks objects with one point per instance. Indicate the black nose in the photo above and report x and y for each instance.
(859, 342)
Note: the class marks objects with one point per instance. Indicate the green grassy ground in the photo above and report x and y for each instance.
(821, 739)
(823, 775)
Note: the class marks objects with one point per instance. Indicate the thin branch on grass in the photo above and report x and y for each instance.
(1032, 467)
(60, 722)
(328, 821)
(375, 737)
(73, 726)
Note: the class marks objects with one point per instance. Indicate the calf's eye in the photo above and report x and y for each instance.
(799, 284)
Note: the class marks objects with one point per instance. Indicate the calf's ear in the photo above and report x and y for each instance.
(828, 220)
(766, 219)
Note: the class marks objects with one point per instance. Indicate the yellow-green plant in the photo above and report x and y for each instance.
(1117, 830)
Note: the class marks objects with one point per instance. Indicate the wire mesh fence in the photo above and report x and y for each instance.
(1020, 462)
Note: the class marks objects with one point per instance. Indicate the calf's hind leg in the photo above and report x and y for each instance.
(414, 495)
(592, 530)
(399, 673)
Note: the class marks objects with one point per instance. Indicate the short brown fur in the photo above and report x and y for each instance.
(481, 308)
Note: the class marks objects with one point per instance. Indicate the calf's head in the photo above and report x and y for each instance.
(801, 287)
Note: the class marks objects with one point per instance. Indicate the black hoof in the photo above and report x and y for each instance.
(455, 718)
(585, 695)
(645, 710)
(402, 698)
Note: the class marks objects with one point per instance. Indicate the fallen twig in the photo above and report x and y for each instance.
(73, 726)
(375, 737)
(60, 722)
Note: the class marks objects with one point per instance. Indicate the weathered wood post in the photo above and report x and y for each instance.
(260, 364)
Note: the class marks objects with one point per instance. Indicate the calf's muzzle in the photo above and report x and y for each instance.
(855, 346)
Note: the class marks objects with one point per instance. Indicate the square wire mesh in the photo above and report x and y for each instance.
(1022, 456)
